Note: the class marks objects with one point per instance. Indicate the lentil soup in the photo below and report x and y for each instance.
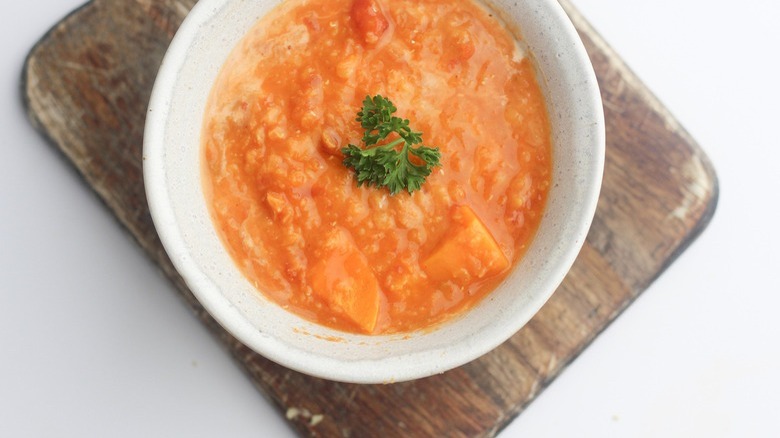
(292, 215)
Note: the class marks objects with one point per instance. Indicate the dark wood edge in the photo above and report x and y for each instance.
(24, 80)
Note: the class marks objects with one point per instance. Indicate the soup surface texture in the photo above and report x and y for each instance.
(292, 215)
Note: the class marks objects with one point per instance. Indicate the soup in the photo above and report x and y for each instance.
(357, 258)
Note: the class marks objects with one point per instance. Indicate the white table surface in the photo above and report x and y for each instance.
(95, 342)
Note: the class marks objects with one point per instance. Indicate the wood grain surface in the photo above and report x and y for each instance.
(86, 85)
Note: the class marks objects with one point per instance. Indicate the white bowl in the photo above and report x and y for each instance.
(173, 186)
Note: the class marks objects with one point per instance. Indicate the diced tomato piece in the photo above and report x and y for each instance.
(369, 19)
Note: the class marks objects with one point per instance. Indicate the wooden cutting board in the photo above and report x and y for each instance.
(86, 85)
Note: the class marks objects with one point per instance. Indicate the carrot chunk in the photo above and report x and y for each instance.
(344, 280)
(468, 250)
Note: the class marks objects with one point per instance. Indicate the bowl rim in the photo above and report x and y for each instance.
(395, 368)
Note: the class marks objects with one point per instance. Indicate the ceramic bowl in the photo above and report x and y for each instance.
(172, 177)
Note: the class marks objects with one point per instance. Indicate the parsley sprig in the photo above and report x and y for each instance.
(388, 165)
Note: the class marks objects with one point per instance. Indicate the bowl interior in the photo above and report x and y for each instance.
(172, 177)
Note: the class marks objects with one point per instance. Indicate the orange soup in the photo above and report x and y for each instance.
(356, 258)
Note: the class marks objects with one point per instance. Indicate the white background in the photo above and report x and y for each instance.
(94, 342)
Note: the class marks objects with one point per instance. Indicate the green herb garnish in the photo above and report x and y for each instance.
(389, 165)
